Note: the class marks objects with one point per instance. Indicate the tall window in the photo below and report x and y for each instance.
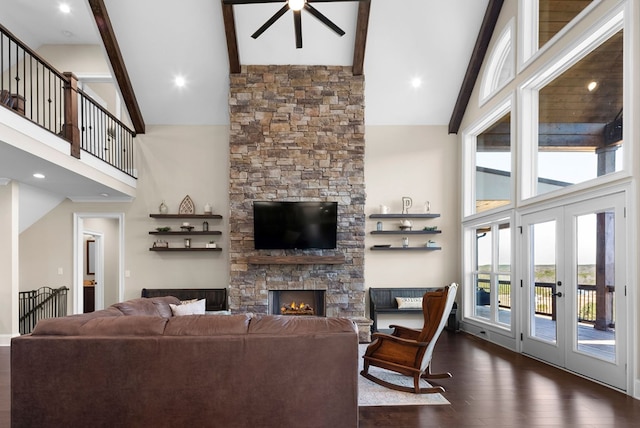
(492, 272)
(493, 166)
(544, 19)
(554, 15)
(580, 120)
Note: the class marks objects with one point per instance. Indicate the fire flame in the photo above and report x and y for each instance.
(296, 307)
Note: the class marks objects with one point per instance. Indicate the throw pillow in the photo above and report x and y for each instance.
(409, 302)
(195, 308)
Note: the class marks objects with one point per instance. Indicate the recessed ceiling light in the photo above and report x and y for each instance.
(67, 33)
(179, 81)
(592, 86)
(104, 195)
(64, 8)
(416, 82)
(38, 175)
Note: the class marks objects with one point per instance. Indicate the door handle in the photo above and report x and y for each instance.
(558, 294)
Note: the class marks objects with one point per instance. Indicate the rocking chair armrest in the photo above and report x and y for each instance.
(406, 332)
(400, 340)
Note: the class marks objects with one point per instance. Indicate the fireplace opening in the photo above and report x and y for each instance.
(297, 302)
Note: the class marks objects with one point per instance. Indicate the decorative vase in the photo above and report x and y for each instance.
(163, 208)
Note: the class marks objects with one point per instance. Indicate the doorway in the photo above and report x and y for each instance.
(109, 263)
(93, 275)
(574, 288)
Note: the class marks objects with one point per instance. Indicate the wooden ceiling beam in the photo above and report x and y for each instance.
(232, 38)
(362, 26)
(108, 36)
(473, 69)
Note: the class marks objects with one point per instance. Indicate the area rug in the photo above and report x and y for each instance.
(372, 394)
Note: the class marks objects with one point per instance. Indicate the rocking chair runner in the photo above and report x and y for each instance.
(409, 351)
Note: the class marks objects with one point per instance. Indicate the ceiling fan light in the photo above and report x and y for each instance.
(296, 4)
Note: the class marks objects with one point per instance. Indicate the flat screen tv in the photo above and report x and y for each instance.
(295, 225)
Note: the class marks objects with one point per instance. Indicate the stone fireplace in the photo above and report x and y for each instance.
(297, 134)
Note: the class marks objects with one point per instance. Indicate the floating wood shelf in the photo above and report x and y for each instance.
(405, 248)
(161, 249)
(404, 215)
(296, 260)
(194, 216)
(195, 232)
(404, 232)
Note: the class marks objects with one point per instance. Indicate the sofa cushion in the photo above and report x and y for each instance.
(154, 306)
(206, 325)
(190, 308)
(101, 326)
(283, 324)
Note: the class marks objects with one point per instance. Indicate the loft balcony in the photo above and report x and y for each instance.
(47, 121)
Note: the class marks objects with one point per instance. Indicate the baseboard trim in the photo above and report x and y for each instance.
(5, 339)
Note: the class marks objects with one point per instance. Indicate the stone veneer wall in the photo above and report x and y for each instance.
(297, 134)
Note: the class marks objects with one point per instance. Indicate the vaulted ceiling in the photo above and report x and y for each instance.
(160, 39)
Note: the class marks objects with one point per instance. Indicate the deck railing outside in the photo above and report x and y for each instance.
(37, 91)
(545, 302)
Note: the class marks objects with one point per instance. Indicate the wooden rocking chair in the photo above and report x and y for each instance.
(409, 351)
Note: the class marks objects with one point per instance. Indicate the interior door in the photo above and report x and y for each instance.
(574, 288)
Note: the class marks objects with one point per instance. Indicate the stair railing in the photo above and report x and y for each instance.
(34, 305)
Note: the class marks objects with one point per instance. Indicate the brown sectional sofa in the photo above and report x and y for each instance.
(135, 365)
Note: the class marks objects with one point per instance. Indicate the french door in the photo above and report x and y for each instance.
(574, 285)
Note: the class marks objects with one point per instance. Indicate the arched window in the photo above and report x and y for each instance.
(500, 66)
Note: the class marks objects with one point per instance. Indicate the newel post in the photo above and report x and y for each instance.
(71, 130)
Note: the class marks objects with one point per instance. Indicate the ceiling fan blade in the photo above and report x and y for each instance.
(326, 21)
(297, 22)
(271, 20)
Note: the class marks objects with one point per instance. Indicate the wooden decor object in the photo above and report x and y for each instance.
(187, 206)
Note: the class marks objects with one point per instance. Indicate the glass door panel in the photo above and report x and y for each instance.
(595, 332)
(543, 313)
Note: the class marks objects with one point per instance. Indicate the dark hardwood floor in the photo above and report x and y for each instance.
(491, 387)
(494, 387)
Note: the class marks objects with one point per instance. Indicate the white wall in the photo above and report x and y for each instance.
(420, 162)
(9, 193)
(173, 161)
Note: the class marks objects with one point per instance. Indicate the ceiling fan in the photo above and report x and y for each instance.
(296, 6)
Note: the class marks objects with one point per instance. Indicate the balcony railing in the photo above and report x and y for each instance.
(37, 91)
(545, 301)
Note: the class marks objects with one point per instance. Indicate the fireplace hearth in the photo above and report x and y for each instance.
(297, 302)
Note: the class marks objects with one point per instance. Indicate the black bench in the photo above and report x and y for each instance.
(216, 298)
(383, 301)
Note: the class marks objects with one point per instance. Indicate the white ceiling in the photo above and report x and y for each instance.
(159, 39)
